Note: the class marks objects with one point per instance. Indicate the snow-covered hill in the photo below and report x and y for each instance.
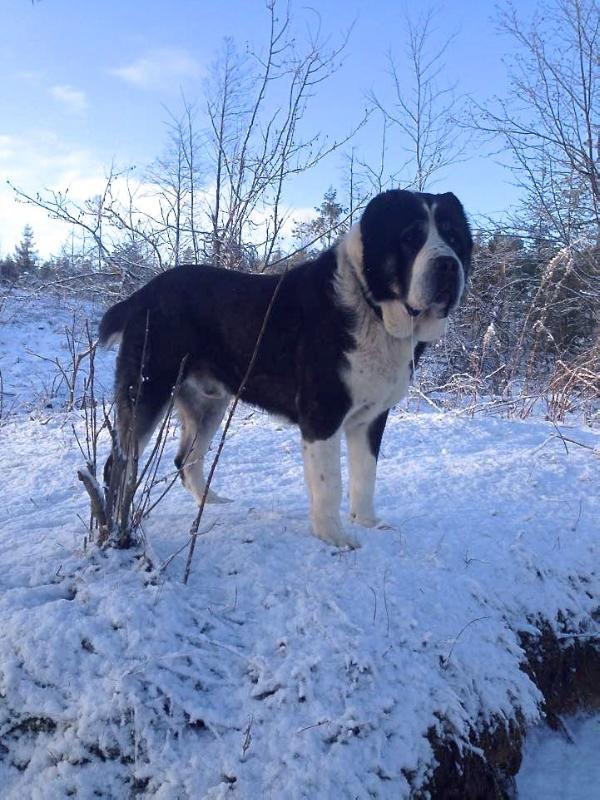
(285, 668)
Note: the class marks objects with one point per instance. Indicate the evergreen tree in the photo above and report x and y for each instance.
(326, 226)
(26, 256)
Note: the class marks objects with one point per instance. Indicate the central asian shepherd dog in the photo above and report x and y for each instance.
(344, 334)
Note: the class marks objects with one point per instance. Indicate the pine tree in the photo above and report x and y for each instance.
(327, 226)
(329, 219)
(26, 256)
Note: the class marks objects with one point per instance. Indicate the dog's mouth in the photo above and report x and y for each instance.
(438, 310)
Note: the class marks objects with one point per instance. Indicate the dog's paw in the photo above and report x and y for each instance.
(371, 522)
(343, 540)
(332, 532)
(382, 525)
(213, 497)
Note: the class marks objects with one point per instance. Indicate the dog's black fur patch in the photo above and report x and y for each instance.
(209, 319)
(376, 429)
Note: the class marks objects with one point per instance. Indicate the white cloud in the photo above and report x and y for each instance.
(8, 148)
(159, 69)
(32, 76)
(43, 162)
(48, 234)
(73, 100)
(35, 163)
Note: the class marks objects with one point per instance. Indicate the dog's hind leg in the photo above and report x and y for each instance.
(200, 406)
(142, 394)
(138, 414)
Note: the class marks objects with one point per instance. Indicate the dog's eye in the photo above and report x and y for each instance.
(410, 235)
(449, 233)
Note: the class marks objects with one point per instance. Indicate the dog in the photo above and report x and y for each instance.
(340, 344)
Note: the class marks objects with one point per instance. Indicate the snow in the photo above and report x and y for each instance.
(556, 766)
(33, 335)
(285, 668)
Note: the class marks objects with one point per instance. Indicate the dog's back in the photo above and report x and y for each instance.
(202, 324)
(338, 348)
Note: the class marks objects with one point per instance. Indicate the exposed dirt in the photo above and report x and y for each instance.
(566, 669)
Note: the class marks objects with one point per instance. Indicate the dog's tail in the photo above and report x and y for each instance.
(113, 322)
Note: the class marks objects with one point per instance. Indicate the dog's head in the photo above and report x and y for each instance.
(412, 253)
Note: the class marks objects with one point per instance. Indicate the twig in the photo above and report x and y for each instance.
(562, 438)
(183, 547)
(97, 503)
(415, 390)
(314, 725)
(247, 737)
(446, 661)
(375, 603)
(574, 527)
(196, 523)
(385, 603)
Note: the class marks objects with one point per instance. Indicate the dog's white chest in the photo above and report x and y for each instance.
(379, 372)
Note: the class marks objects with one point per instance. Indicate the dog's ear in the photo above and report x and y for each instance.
(453, 200)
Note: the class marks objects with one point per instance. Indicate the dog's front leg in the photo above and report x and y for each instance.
(323, 475)
(364, 442)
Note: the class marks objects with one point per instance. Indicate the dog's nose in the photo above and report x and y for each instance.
(446, 280)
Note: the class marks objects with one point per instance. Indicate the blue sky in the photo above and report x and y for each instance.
(87, 83)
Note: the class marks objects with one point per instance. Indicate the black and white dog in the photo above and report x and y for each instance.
(338, 350)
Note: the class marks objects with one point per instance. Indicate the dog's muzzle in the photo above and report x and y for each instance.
(447, 282)
(445, 286)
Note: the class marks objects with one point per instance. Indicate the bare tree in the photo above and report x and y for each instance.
(255, 104)
(176, 181)
(376, 175)
(423, 108)
(113, 223)
(194, 173)
(354, 186)
(168, 175)
(550, 120)
(217, 195)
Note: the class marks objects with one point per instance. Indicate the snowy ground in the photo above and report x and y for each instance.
(555, 768)
(33, 335)
(285, 668)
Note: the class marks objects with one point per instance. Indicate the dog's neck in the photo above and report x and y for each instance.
(351, 285)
